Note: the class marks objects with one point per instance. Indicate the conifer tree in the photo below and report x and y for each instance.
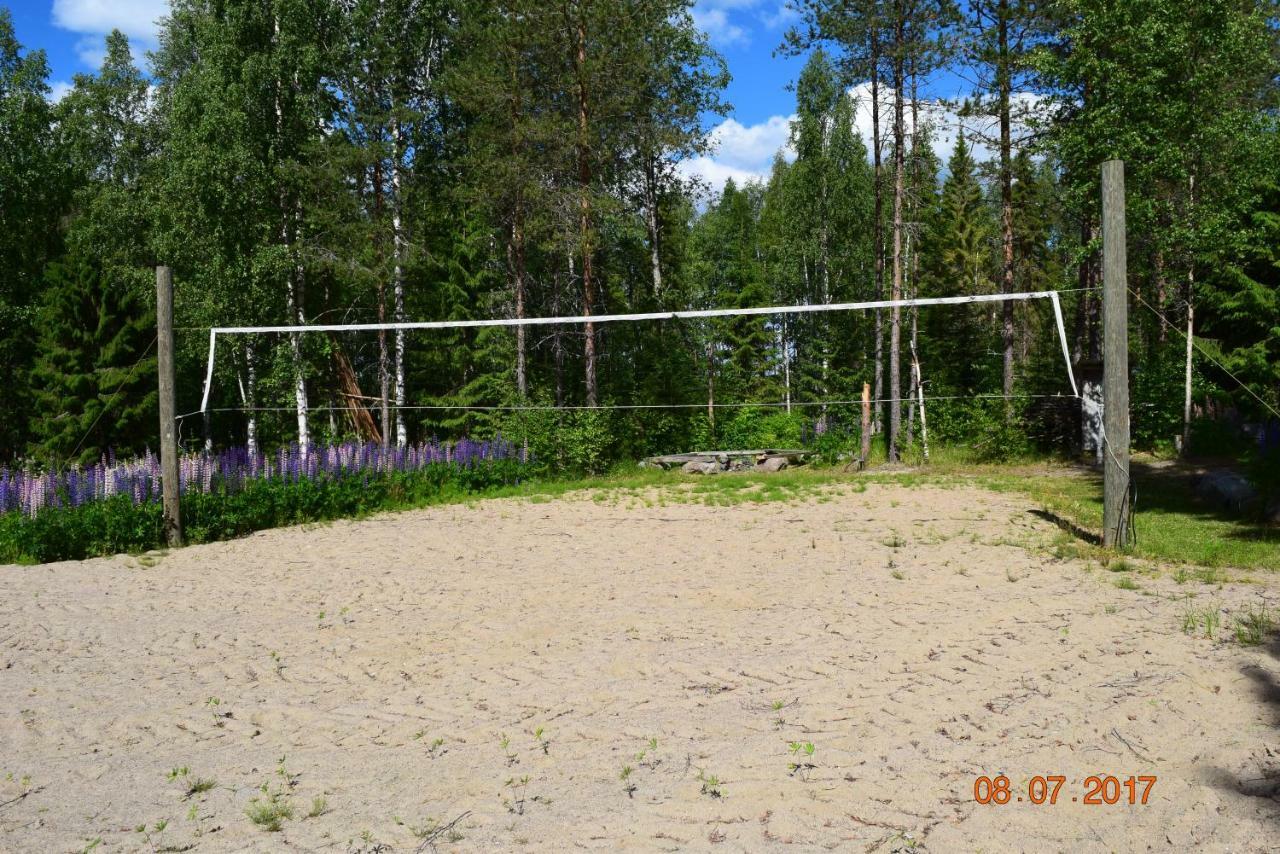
(94, 376)
(32, 194)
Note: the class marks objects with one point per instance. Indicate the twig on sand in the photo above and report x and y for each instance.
(429, 840)
(1126, 743)
(24, 795)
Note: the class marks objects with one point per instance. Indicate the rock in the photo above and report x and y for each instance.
(696, 467)
(1226, 489)
(772, 464)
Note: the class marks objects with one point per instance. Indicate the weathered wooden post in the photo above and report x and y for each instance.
(1115, 355)
(168, 427)
(866, 424)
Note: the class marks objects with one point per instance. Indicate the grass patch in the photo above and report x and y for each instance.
(270, 811)
(1202, 621)
(1253, 626)
(1173, 525)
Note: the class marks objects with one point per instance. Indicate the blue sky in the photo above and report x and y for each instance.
(746, 32)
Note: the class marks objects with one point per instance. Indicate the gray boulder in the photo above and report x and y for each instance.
(772, 464)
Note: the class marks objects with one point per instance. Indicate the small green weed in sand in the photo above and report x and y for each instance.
(270, 810)
(628, 785)
(803, 762)
(519, 786)
(1203, 621)
(1254, 625)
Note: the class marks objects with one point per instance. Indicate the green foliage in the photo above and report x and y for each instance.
(117, 525)
(1156, 392)
(979, 429)
(751, 428)
(94, 375)
(1213, 438)
(33, 192)
(579, 441)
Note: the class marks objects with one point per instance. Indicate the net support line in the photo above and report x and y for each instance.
(694, 314)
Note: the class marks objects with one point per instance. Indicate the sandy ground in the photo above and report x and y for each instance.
(381, 665)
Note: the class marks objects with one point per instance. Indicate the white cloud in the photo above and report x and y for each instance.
(58, 90)
(716, 174)
(728, 22)
(93, 19)
(941, 117)
(780, 18)
(742, 152)
(719, 29)
(746, 152)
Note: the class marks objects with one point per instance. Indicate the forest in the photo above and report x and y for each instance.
(361, 161)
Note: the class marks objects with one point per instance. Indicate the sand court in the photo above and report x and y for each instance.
(630, 672)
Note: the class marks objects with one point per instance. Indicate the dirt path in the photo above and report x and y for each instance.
(382, 666)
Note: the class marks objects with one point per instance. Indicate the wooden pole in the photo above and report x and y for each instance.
(1115, 369)
(866, 423)
(168, 426)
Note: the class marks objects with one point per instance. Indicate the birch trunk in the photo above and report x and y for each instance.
(248, 382)
(651, 221)
(295, 287)
(399, 247)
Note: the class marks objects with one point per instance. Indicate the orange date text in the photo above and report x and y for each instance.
(1053, 789)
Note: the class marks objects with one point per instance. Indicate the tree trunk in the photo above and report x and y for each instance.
(786, 362)
(516, 263)
(249, 396)
(384, 359)
(399, 246)
(899, 189)
(913, 250)
(651, 222)
(557, 341)
(295, 297)
(877, 229)
(1004, 83)
(711, 387)
(1186, 389)
(295, 287)
(584, 212)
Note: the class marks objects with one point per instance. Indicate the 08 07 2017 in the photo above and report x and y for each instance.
(1096, 790)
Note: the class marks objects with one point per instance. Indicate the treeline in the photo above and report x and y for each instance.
(342, 161)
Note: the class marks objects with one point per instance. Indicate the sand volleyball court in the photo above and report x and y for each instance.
(633, 671)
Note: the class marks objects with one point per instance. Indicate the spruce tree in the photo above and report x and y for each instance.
(94, 375)
(32, 195)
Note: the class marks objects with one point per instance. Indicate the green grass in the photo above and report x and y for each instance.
(1173, 525)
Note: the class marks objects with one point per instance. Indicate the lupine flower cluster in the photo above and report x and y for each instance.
(30, 492)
